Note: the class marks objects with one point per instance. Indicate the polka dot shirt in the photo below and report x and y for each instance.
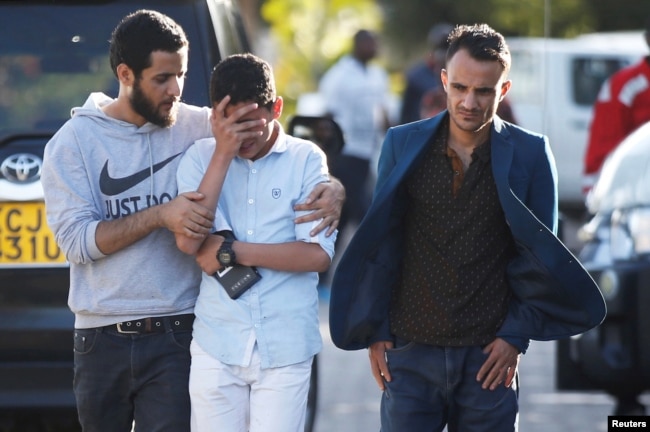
(453, 289)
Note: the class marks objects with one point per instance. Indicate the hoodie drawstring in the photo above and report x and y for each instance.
(150, 165)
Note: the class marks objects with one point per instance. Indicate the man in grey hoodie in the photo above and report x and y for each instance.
(112, 203)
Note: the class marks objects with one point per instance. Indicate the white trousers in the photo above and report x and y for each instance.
(247, 399)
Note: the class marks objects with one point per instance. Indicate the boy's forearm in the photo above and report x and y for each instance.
(295, 256)
(210, 186)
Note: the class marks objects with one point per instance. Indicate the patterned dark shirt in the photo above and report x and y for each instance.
(453, 289)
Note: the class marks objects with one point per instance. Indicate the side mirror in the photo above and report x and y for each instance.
(323, 131)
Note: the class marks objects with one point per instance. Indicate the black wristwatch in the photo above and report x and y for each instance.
(225, 254)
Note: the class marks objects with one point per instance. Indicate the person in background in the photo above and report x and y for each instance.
(355, 93)
(433, 102)
(424, 77)
(456, 264)
(109, 179)
(252, 356)
(623, 105)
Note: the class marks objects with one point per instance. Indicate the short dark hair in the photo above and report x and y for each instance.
(363, 35)
(482, 43)
(246, 78)
(139, 34)
(438, 36)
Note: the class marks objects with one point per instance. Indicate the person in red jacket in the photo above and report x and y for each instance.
(623, 105)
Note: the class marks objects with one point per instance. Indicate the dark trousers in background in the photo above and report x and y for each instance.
(354, 174)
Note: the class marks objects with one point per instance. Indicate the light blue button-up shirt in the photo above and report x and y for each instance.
(280, 312)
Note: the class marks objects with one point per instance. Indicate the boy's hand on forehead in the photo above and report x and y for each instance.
(230, 130)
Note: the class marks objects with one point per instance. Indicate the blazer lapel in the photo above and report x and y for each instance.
(406, 155)
(522, 221)
(502, 153)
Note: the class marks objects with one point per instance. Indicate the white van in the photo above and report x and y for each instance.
(556, 82)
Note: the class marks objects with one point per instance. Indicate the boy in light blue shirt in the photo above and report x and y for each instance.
(251, 357)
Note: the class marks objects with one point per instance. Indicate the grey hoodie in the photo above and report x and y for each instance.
(98, 168)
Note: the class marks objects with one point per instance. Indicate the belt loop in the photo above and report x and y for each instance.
(168, 324)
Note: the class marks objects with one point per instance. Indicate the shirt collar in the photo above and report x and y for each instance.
(280, 144)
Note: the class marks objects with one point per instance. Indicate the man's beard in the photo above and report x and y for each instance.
(142, 105)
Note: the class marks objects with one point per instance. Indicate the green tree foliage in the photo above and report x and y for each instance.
(611, 15)
(408, 21)
(309, 35)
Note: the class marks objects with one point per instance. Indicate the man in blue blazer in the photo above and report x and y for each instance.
(456, 265)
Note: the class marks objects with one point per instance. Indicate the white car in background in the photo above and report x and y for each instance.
(555, 84)
(615, 356)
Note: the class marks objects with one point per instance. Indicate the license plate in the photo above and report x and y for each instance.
(25, 238)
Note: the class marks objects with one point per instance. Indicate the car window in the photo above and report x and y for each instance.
(229, 28)
(52, 57)
(589, 74)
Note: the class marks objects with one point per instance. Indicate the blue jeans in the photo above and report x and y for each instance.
(434, 386)
(119, 378)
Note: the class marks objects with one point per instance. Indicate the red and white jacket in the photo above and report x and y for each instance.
(623, 105)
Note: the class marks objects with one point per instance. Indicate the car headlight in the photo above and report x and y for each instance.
(620, 239)
(608, 284)
(630, 233)
(639, 222)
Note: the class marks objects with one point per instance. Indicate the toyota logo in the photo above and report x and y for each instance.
(22, 168)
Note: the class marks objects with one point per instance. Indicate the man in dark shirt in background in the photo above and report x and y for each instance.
(456, 264)
(424, 76)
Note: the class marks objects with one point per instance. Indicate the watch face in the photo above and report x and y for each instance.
(224, 258)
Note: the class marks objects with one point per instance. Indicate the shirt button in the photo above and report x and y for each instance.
(249, 232)
(251, 200)
(254, 171)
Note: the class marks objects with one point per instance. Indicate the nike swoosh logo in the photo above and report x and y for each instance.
(114, 186)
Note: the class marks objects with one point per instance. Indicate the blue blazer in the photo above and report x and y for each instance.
(553, 295)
